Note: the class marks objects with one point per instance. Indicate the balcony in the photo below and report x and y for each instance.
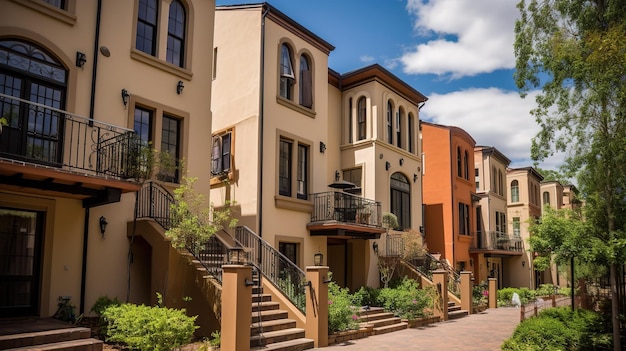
(336, 213)
(44, 150)
(497, 243)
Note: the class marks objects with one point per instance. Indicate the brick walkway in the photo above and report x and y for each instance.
(485, 331)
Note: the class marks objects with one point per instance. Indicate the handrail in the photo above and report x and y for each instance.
(496, 240)
(284, 274)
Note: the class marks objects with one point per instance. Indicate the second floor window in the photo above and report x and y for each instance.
(176, 34)
(411, 133)
(60, 4)
(389, 122)
(399, 118)
(516, 226)
(221, 153)
(459, 163)
(306, 83)
(401, 199)
(361, 118)
(515, 191)
(147, 26)
(464, 226)
(285, 169)
(546, 198)
(287, 77)
(466, 165)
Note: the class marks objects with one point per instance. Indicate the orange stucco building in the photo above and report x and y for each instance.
(448, 183)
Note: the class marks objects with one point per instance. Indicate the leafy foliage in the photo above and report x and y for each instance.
(146, 328)
(406, 300)
(102, 303)
(342, 315)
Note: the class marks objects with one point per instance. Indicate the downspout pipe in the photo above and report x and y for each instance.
(266, 9)
(83, 271)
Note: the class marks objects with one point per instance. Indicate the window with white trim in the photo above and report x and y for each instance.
(221, 153)
(287, 77)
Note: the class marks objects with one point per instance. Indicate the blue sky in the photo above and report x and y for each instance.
(459, 53)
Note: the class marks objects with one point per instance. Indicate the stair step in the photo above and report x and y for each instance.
(256, 290)
(268, 315)
(457, 314)
(291, 345)
(370, 311)
(268, 338)
(265, 306)
(382, 322)
(43, 337)
(376, 316)
(453, 308)
(268, 326)
(261, 297)
(71, 345)
(390, 328)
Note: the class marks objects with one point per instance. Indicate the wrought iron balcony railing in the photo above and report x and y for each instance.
(343, 207)
(45, 135)
(494, 240)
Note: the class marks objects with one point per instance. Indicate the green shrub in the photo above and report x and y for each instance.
(505, 296)
(406, 300)
(479, 295)
(145, 328)
(342, 315)
(102, 303)
(366, 296)
(216, 338)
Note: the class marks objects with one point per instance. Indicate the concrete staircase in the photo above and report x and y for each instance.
(271, 327)
(382, 322)
(455, 311)
(59, 339)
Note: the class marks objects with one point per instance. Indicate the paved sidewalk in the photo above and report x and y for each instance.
(484, 331)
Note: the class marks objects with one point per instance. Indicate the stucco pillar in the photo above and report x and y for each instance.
(317, 305)
(440, 281)
(236, 308)
(493, 293)
(466, 291)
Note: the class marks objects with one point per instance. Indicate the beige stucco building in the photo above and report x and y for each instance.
(82, 83)
(290, 134)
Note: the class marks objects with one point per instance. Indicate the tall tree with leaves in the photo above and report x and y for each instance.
(575, 51)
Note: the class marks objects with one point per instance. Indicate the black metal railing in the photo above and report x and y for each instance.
(343, 207)
(154, 201)
(495, 240)
(49, 136)
(275, 266)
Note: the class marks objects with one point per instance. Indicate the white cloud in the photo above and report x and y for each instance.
(483, 32)
(366, 58)
(493, 117)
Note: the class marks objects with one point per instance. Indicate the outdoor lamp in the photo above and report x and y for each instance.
(103, 224)
(125, 96)
(179, 87)
(375, 247)
(318, 259)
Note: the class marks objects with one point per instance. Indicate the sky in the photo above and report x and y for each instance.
(458, 53)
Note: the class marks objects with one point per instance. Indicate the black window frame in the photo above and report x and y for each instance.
(400, 199)
(176, 29)
(144, 22)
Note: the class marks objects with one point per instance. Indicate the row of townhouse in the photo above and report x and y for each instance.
(480, 221)
(309, 158)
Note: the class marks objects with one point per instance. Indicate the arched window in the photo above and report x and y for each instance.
(306, 82)
(401, 199)
(361, 118)
(399, 119)
(515, 191)
(546, 198)
(459, 163)
(176, 34)
(287, 77)
(146, 37)
(411, 133)
(29, 72)
(466, 165)
(389, 122)
(350, 114)
(500, 183)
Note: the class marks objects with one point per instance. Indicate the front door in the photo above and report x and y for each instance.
(20, 261)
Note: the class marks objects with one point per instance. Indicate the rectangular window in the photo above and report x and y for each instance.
(147, 26)
(398, 129)
(290, 251)
(464, 227)
(284, 168)
(214, 62)
(60, 4)
(143, 124)
(170, 146)
(221, 153)
(410, 127)
(353, 176)
(303, 152)
(516, 226)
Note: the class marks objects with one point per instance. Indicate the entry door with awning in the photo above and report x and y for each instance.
(20, 259)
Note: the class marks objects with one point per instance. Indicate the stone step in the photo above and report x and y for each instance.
(291, 345)
(265, 306)
(268, 326)
(268, 315)
(390, 328)
(364, 311)
(381, 322)
(71, 345)
(453, 308)
(457, 314)
(43, 337)
(273, 337)
(376, 316)
(261, 297)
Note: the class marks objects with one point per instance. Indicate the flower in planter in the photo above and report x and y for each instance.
(486, 293)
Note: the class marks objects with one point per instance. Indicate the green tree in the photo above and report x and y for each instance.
(574, 50)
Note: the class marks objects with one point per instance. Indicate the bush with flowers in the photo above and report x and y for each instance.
(342, 315)
(407, 300)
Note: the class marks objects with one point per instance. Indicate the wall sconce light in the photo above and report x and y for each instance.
(523, 263)
(336, 176)
(80, 59)
(322, 147)
(414, 177)
(125, 96)
(179, 87)
(103, 224)
(375, 247)
(318, 259)
(387, 165)
(401, 161)
(471, 262)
